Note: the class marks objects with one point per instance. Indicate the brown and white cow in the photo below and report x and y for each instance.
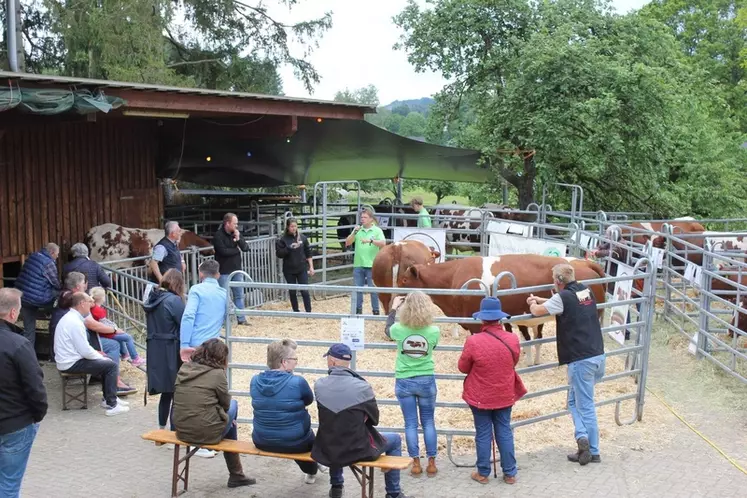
(528, 269)
(393, 257)
(111, 242)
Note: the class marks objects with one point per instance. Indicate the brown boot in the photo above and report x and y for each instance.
(431, 470)
(236, 477)
(416, 468)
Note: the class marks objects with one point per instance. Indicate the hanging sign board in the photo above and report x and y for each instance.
(352, 333)
(619, 314)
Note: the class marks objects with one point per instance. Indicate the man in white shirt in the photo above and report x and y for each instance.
(73, 353)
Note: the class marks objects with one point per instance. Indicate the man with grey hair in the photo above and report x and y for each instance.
(166, 253)
(580, 346)
(81, 263)
(23, 398)
(40, 285)
(205, 311)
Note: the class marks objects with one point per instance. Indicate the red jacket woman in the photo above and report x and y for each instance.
(491, 388)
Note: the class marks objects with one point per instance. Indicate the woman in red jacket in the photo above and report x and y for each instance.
(491, 388)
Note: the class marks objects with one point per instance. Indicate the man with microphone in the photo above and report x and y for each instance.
(228, 245)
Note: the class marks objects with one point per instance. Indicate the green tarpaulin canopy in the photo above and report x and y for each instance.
(330, 150)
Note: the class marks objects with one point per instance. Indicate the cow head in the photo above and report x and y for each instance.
(191, 239)
(410, 278)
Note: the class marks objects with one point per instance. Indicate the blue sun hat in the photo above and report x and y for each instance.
(490, 310)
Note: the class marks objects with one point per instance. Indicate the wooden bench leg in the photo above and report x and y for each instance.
(81, 396)
(364, 476)
(183, 474)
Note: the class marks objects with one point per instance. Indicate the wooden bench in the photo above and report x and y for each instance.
(74, 391)
(363, 471)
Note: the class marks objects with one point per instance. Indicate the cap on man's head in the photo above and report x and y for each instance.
(339, 351)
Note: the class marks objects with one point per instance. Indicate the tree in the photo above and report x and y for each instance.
(567, 91)
(710, 33)
(218, 44)
(413, 126)
(366, 95)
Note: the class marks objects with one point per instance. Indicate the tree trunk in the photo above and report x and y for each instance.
(525, 183)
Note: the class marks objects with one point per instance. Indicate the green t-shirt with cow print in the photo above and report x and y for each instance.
(414, 350)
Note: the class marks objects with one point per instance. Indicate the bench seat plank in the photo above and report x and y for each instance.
(247, 448)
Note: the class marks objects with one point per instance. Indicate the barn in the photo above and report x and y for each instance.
(76, 153)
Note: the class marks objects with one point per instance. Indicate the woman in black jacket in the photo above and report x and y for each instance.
(163, 312)
(293, 248)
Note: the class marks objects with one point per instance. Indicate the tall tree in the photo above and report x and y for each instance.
(711, 35)
(366, 95)
(567, 91)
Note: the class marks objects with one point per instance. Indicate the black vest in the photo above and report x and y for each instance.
(173, 258)
(579, 334)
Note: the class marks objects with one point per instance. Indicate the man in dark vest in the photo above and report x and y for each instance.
(166, 253)
(581, 347)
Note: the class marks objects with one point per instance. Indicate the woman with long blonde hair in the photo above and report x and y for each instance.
(415, 385)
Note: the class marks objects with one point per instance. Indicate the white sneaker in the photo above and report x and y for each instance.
(205, 453)
(117, 410)
(309, 479)
(120, 401)
(323, 469)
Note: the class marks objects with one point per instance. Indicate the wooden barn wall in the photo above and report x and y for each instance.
(57, 180)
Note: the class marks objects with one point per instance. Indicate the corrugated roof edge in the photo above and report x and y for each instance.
(43, 78)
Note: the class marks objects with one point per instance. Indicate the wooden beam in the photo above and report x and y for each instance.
(225, 105)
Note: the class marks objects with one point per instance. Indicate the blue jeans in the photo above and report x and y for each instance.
(498, 422)
(15, 449)
(393, 447)
(413, 393)
(582, 376)
(238, 293)
(126, 345)
(230, 431)
(111, 349)
(362, 277)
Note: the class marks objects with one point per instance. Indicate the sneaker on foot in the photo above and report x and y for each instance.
(138, 362)
(336, 491)
(323, 469)
(125, 390)
(398, 495)
(117, 410)
(205, 453)
(596, 459)
(119, 402)
(309, 478)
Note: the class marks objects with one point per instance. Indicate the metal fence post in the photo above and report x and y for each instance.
(705, 300)
(195, 277)
(668, 247)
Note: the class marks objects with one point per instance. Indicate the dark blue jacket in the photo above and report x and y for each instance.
(96, 275)
(279, 401)
(38, 280)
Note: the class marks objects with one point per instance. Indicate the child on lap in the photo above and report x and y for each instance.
(126, 342)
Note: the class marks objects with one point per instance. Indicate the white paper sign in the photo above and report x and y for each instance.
(148, 289)
(693, 274)
(509, 244)
(382, 221)
(352, 333)
(655, 254)
(587, 241)
(692, 348)
(433, 238)
(619, 314)
(505, 227)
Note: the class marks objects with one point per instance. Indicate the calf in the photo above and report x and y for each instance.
(528, 269)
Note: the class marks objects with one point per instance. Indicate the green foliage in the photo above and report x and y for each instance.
(711, 35)
(217, 44)
(566, 91)
(366, 95)
(413, 125)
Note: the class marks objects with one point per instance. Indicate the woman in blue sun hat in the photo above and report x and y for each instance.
(491, 388)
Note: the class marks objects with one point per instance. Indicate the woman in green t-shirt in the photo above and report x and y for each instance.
(415, 386)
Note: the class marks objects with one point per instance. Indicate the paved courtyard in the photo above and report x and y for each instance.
(82, 453)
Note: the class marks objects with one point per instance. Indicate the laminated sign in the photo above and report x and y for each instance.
(503, 241)
(619, 314)
(693, 274)
(432, 238)
(352, 333)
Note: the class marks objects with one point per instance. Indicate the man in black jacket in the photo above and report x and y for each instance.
(348, 414)
(581, 347)
(23, 398)
(228, 245)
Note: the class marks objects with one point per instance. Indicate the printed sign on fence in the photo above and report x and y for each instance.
(587, 242)
(503, 243)
(352, 333)
(655, 254)
(619, 314)
(383, 221)
(433, 238)
(504, 227)
(693, 274)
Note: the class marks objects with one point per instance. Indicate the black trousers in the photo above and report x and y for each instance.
(306, 467)
(106, 369)
(298, 278)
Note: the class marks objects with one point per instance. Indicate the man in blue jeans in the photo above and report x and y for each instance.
(348, 414)
(228, 244)
(368, 239)
(23, 398)
(581, 347)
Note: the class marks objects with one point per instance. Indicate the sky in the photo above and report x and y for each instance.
(357, 51)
